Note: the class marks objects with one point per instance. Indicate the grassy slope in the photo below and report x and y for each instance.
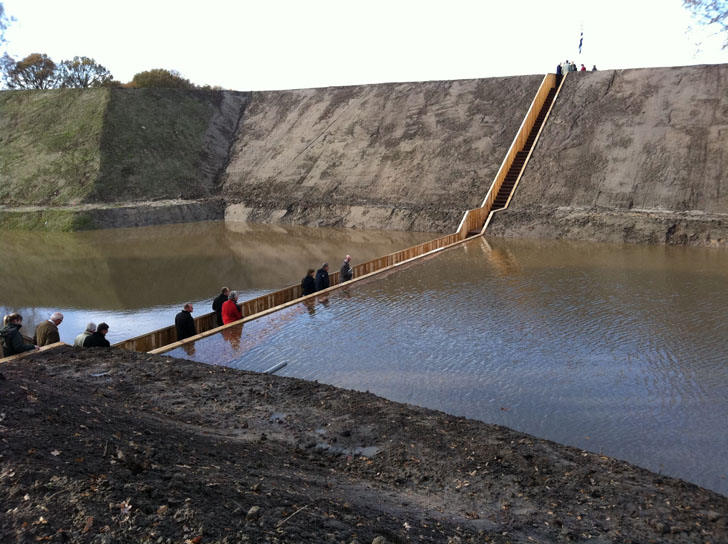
(49, 145)
(153, 143)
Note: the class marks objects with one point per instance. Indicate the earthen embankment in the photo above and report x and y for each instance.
(400, 156)
(626, 155)
(630, 156)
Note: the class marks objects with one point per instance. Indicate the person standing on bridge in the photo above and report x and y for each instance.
(346, 273)
(308, 284)
(185, 323)
(322, 277)
(47, 332)
(230, 310)
(217, 304)
(81, 338)
(12, 340)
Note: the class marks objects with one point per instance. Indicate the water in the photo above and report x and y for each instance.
(615, 349)
(137, 279)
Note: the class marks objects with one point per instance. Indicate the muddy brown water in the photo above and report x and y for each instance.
(618, 349)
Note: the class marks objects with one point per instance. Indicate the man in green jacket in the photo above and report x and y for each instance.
(47, 332)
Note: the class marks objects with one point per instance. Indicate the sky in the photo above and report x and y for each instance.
(289, 44)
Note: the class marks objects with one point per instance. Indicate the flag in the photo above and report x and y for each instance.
(581, 41)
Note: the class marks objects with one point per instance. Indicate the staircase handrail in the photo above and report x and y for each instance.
(528, 157)
(549, 80)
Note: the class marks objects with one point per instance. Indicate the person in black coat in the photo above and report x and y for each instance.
(12, 340)
(322, 277)
(184, 323)
(308, 284)
(346, 273)
(217, 304)
(98, 339)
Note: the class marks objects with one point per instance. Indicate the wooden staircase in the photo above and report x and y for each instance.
(516, 168)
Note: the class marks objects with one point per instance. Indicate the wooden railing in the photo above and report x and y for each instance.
(31, 352)
(519, 141)
(167, 337)
(552, 81)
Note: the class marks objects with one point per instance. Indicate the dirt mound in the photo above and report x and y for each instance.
(112, 446)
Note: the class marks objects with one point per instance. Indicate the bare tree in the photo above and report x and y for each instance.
(713, 13)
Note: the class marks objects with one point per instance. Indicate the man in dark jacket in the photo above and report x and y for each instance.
(346, 273)
(12, 340)
(185, 323)
(308, 284)
(217, 304)
(98, 339)
(322, 277)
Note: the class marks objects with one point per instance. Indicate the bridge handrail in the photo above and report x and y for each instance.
(168, 335)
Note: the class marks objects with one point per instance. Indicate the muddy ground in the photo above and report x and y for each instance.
(109, 446)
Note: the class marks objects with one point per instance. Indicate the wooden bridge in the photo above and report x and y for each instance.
(473, 224)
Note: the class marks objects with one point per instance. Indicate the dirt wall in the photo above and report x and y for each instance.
(630, 155)
(404, 156)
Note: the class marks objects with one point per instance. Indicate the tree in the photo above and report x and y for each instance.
(36, 71)
(82, 72)
(710, 13)
(160, 78)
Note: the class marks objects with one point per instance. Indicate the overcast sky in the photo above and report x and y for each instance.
(282, 44)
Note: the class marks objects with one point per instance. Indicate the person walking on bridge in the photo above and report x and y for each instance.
(12, 340)
(346, 273)
(217, 304)
(185, 323)
(322, 277)
(230, 310)
(47, 332)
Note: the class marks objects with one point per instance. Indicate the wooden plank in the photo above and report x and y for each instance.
(32, 352)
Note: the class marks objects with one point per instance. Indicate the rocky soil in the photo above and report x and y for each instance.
(109, 446)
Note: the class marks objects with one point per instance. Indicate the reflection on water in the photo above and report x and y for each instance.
(137, 279)
(614, 349)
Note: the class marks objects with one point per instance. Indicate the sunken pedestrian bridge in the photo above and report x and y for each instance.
(474, 223)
